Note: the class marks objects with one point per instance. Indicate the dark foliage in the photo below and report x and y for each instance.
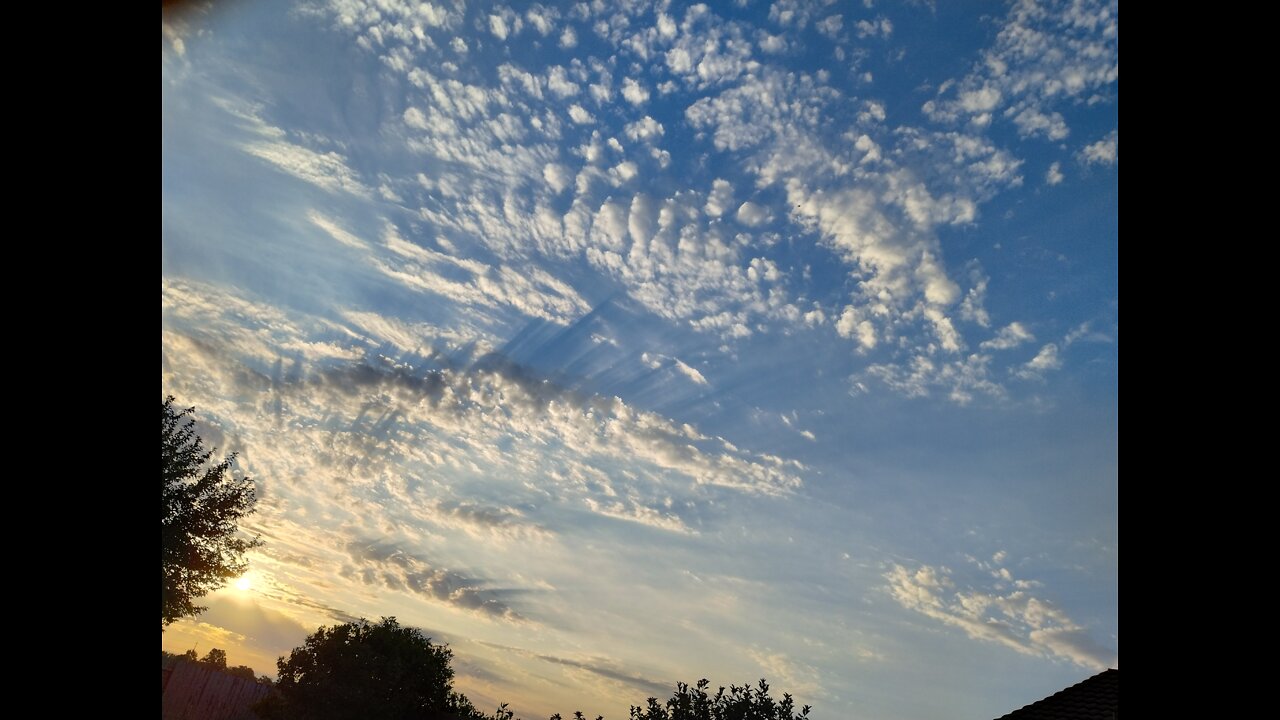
(364, 670)
(740, 703)
(216, 659)
(201, 508)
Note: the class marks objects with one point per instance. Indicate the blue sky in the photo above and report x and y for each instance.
(621, 343)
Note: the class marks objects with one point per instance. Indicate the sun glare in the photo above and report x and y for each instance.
(244, 583)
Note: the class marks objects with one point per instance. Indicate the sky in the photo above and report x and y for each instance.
(622, 343)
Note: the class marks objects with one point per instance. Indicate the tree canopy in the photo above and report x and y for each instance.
(367, 670)
(201, 508)
(742, 702)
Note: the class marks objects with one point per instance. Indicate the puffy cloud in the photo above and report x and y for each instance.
(873, 195)
(850, 325)
(880, 26)
(961, 379)
(559, 84)
(645, 128)
(720, 199)
(1053, 175)
(558, 176)
(543, 19)
(624, 171)
(498, 26)
(1031, 121)
(633, 92)
(1046, 54)
(1104, 152)
(772, 44)
(830, 26)
(568, 38)
(752, 214)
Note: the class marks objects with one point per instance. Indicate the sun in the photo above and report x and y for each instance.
(244, 583)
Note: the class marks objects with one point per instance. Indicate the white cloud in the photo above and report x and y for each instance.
(720, 199)
(850, 325)
(753, 214)
(326, 170)
(646, 129)
(1044, 361)
(336, 231)
(656, 361)
(634, 92)
(532, 292)
(875, 196)
(1046, 54)
(477, 419)
(414, 118)
(559, 84)
(830, 26)
(1084, 332)
(498, 26)
(708, 51)
(961, 379)
(1014, 619)
(691, 373)
(1011, 336)
(1104, 152)
(1053, 175)
(543, 19)
(558, 176)
(772, 44)
(880, 26)
(980, 100)
(1032, 121)
(568, 38)
(624, 171)
(666, 25)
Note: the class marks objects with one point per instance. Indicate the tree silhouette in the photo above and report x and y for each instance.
(201, 507)
(740, 703)
(216, 658)
(362, 670)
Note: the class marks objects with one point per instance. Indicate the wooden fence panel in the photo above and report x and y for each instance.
(194, 692)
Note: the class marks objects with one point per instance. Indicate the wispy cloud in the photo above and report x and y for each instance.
(600, 667)
(1012, 618)
(1010, 336)
(1046, 360)
(326, 170)
(1103, 152)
